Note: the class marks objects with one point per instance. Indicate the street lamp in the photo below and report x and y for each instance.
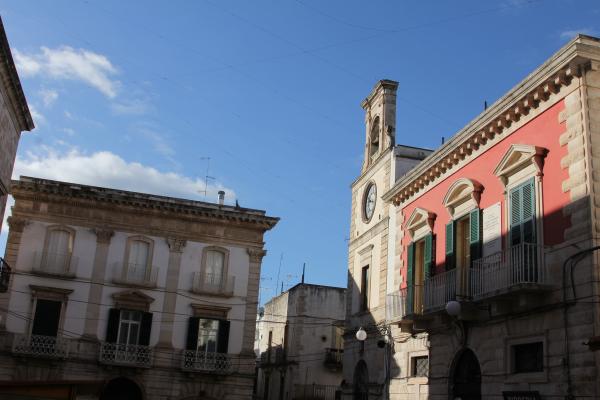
(453, 308)
(361, 334)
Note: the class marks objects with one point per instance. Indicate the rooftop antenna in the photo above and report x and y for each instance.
(303, 270)
(206, 177)
(443, 139)
(281, 287)
(279, 271)
(485, 105)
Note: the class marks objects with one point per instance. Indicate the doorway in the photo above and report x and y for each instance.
(465, 376)
(361, 381)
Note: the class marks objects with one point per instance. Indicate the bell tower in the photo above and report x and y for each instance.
(380, 121)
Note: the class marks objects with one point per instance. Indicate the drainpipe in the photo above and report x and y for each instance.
(572, 257)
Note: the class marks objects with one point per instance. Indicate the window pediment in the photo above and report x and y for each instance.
(132, 299)
(518, 157)
(463, 195)
(420, 220)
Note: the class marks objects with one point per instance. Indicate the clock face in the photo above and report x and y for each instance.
(369, 201)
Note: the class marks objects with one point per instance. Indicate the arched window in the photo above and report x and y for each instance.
(58, 250)
(213, 276)
(137, 266)
(215, 264)
(374, 138)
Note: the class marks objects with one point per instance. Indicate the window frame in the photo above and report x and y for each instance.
(416, 380)
(149, 259)
(204, 259)
(365, 292)
(529, 377)
(52, 294)
(71, 245)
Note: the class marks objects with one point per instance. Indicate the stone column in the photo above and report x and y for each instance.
(176, 246)
(16, 226)
(103, 237)
(256, 256)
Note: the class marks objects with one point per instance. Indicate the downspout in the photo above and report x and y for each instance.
(566, 304)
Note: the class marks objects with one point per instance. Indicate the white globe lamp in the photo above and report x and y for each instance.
(453, 308)
(361, 334)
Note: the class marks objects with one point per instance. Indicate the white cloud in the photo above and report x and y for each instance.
(571, 33)
(130, 107)
(49, 96)
(69, 131)
(38, 118)
(107, 169)
(73, 64)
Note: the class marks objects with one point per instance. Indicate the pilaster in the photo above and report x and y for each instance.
(16, 227)
(255, 256)
(176, 246)
(103, 237)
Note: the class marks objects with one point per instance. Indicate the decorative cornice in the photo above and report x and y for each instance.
(256, 255)
(568, 63)
(176, 245)
(10, 79)
(103, 235)
(17, 224)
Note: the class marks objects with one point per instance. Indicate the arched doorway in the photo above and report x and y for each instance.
(121, 389)
(465, 378)
(361, 381)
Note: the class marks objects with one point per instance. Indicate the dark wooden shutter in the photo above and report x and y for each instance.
(515, 216)
(450, 253)
(145, 329)
(428, 257)
(475, 235)
(192, 334)
(47, 317)
(223, 340)
(112, 327)
(528, 211)
(410, 278)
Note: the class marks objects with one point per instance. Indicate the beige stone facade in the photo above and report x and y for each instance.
(14, 116)
(379, 364)
(154, 296)
(300, 345)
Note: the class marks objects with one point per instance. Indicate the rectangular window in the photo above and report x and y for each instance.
(46, 318)
(463, 239)
(522, 213)
(364, 288)
(129, 327)
(208, 333)
(419, 366)
(528, 357)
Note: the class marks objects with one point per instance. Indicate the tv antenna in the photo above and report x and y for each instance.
(206, 177)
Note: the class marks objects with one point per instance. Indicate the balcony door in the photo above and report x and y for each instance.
(47, 318)
(139, 252)
(215, 264)
(58, 254)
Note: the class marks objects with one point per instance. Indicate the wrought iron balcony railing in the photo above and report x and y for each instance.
(316, 392)
(334, 357)
(135, 274)
(4, 275)
(128, 355)
(396, 305)
(215, 284)
(48, 263)
(439, 290)
(41, 346)
(516, 267)
(199, 361)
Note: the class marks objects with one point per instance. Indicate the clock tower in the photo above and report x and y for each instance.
(371, 272)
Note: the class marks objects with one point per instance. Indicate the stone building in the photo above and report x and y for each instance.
(496, 241)
(300, 344)
(385, 357)
(118, 295)
(14, 119)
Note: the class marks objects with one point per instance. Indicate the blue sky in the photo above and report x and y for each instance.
(136, 95)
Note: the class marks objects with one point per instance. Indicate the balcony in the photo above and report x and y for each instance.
(439, 290)
(198, 361)
(126, 355)
(58, 264)
(333, 358)
(213, 284)
(4, 275)
(316, 392)
(517, 268)
(396, 305)
(273, 356)
(135, 274)
(41, 346)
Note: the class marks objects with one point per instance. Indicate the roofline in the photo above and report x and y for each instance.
(287, 291)
(567, 62)
(16, 95)
(71, 190)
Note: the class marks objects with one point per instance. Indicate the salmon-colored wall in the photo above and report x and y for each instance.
(543, 131)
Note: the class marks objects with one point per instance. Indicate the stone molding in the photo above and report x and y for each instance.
(517, 156)
(256, 255)
(132, 299)
(570, 62)
(84, 196)
(50, 293)
(17, 224)
(176, 245)
(103, 235)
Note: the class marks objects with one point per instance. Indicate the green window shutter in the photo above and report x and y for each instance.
(475, 234)
(528, 212)
(515, 215)
(410, 278)
(428, 256)
(450, 246)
